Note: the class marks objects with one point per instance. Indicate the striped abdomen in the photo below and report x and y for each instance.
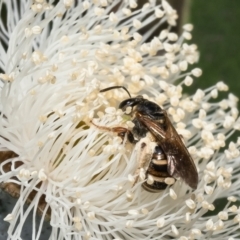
(157, 176)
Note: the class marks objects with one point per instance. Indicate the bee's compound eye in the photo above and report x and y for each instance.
(130, 102)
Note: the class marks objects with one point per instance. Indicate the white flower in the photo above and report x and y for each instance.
(55, 60)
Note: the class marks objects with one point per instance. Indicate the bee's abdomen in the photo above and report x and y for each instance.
(157, 176)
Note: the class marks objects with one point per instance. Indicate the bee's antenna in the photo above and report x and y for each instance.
(110, 88)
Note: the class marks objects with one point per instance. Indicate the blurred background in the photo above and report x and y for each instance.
(217, 34)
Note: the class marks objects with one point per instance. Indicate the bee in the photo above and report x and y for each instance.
(167, 158)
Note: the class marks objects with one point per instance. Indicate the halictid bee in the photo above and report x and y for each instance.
(168, 157)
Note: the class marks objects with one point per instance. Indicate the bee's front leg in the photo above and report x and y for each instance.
(121, 132)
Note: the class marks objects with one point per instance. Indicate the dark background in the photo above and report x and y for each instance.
(217, 34)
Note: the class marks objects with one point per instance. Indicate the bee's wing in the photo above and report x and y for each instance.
(180, 162)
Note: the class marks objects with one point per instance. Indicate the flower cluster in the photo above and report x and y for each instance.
(55, 59)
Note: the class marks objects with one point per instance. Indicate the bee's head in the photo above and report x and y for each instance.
(130, 103)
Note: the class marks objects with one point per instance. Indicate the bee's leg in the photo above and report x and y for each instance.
(121, 132)
(137, 177)
(144, 159)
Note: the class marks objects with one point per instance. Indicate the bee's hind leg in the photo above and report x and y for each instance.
(145, 154)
